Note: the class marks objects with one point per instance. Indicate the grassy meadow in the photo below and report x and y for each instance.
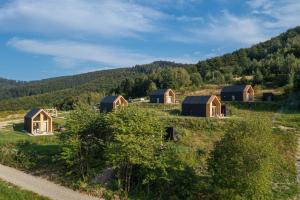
(11, 192)
(37, 155)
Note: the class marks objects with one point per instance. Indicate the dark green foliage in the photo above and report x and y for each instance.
(65, 92)
(144, 162)
(4, 83)
(131, 141)
(62, 100)
(84, 143)
(297, 81)
(196, 79)
(272, 62)
(242, 163)
(171, 77)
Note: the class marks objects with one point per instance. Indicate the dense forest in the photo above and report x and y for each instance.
(274, 63)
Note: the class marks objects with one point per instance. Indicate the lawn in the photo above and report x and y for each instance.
(11, 192)
(197, 139)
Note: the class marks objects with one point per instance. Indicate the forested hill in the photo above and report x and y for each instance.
(5, 83)
(99, 81)
(273, 62)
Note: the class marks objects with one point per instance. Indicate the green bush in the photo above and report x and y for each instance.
(242, 163)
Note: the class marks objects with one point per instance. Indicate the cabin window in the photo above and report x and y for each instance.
(37, 118)
(45, 117)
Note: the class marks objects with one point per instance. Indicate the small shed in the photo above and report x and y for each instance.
(237, 93)
(268, 96)
(201, 106)
(109, 103)
(165, 96)
(38, 122)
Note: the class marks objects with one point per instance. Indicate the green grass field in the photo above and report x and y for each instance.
(11, 192)
(197, 139)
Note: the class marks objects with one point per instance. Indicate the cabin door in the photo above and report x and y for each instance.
(45, 127)
(157, 100)
(213, 111)
(233, 98)
(36, 128)
(249, 96)
(169, 99)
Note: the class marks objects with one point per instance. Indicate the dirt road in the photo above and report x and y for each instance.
(40, 186)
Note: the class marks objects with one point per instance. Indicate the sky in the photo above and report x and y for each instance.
(49, 38)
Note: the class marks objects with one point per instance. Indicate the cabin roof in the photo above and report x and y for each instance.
(109, 99)
(32, 113)
(159, 92)
(197, 99)
(234, 88)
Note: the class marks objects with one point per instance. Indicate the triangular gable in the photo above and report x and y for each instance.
(41, 110)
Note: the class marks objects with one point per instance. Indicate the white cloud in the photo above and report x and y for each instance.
(105, 17)
(258, 4)
(225, 28)
(69, 54)
(282, 14)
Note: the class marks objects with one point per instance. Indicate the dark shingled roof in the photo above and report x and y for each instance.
(33, 112)
(109, 99)
(196, 100)
(234, 88)
(159, 92)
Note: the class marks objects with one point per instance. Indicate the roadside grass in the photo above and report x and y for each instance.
(197, 138)
(11, 192)
(11, 115)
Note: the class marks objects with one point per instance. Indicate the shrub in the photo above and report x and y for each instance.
(84, 143)
(241, 165)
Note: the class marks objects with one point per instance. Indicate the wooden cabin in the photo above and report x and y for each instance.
(109, 103)
(165, 96)
(201, 106)
(268, 96)
(38, 122)
(237, 93)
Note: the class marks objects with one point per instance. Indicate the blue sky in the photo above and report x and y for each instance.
(41, 39)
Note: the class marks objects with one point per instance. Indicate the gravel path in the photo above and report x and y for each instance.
(40, 186)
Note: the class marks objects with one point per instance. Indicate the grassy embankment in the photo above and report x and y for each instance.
(198, 136)
(11, 192)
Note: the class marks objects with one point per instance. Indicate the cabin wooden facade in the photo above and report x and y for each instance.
(38, 122)
(201, 106)
(165, 96)
(237, 93)
(109, 103)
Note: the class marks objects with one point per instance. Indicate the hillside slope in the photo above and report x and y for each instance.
(5, 83)
(273, 62)
(98, 81)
